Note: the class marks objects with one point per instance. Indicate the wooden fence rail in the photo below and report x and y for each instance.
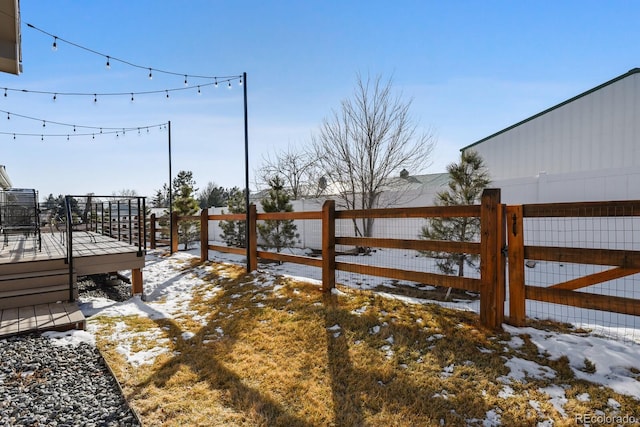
(502, 231)
(489, 247)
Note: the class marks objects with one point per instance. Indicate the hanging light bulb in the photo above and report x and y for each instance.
(240, 82)
(54, 46)
(108, 63)
(93, 136)
(14, 136)
(132, 97)
(95, 98)
(5, 92)
(67, 137)
(150, 74)
(44, 124)
(74, 128)
(216, 83)
(55, 96)
(167, 93)
(186, 83)
(229, 85)
(100, 130)
(41, 137)
(199, 92)
(8, 116)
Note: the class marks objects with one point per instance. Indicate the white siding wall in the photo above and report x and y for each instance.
(600, 130)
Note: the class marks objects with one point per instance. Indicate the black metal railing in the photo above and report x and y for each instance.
(122, 218)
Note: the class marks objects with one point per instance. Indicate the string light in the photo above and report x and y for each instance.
(167, 94)
(229, 86)
(54, 47)
(112, 58)
(150, 74)
(240, 82)
(55, 96)
(108, 63)
(186, 83)
(95, 98)
(106, 94)
(199, 92)
(5, 92)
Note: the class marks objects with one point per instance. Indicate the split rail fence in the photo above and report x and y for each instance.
(502, 238)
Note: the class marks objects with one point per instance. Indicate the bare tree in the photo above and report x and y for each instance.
(366, 143)
(297, 168)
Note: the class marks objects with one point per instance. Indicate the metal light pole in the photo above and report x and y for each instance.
(170, 195)
(246, 169)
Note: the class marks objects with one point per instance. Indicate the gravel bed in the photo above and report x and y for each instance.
(43, 383)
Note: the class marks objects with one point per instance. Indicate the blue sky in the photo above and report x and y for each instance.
(471, 68)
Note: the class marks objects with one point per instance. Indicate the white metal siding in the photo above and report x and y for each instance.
(597, 131)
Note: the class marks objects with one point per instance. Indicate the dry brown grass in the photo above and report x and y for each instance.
(276, 358)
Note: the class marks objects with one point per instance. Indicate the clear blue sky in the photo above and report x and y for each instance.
(470, 67)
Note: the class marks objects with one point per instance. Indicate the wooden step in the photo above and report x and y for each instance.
(34, 280)
(41, 317)
(24, 300)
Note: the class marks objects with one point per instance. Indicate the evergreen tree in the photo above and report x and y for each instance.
(213, 196)
(277, 234)
(467, 180)
(161, 198)
(185, 204)
(234, 232)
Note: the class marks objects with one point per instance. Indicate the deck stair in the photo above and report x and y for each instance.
(34, 283)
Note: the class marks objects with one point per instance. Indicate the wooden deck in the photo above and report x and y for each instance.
(34, 284)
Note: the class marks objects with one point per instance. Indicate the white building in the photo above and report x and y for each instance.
(585, 148)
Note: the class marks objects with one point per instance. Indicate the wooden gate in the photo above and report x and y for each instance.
(623, 262)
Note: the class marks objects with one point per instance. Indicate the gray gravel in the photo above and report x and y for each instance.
(42, 384)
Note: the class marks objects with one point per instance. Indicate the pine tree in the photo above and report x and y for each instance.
(234, 232)
(185, 204)
(277, 234)
(467, 180)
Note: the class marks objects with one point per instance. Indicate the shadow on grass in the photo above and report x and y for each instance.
(209, 369)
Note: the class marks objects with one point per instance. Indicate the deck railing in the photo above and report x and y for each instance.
(118, 217)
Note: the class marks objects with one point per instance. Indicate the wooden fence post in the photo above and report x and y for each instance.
(328, 246)
(491, 260)
(517, 295)
(252, 229)
(174, 232)
(204, 235)
(152, 231)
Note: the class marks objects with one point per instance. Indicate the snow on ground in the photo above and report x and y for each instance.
(168, 288)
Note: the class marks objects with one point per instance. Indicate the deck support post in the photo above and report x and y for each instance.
(136, 281)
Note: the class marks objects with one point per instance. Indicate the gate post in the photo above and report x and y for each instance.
(204, 235)
(328, 246)
(491, 259)
(517, 293)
